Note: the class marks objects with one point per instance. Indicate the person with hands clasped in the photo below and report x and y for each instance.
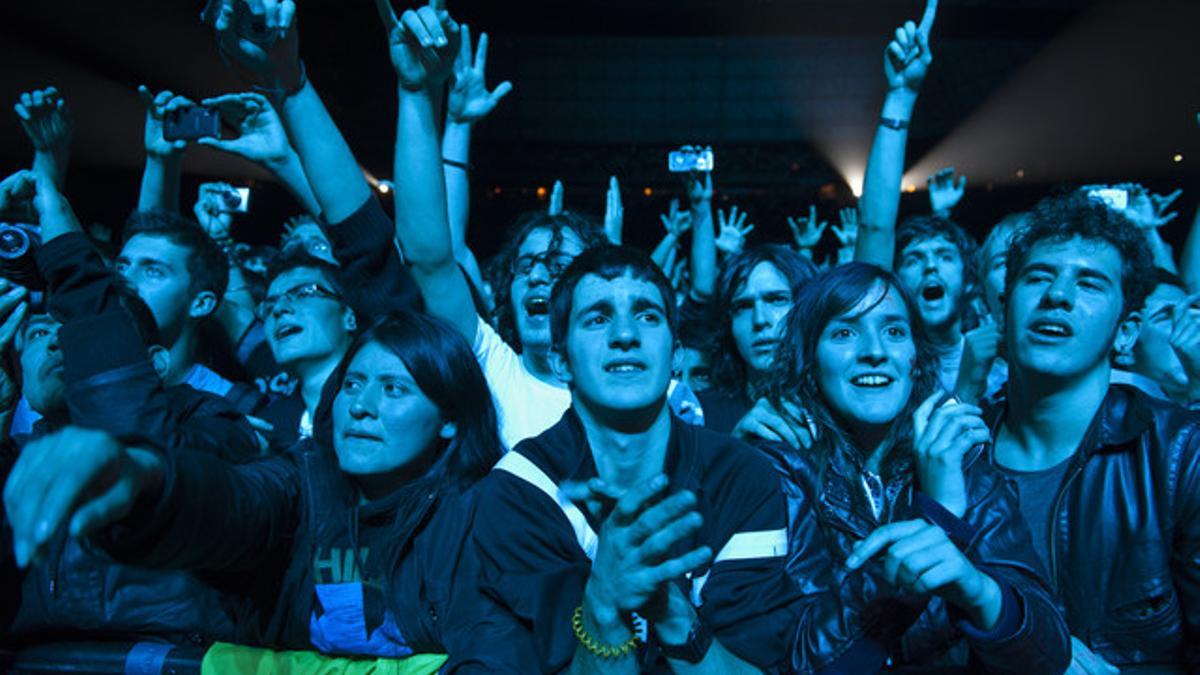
(627, 540)
(903, 542)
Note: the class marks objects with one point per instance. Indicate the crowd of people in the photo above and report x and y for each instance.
(579, 456)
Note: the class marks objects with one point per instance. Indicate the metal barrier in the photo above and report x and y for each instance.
(106, 658)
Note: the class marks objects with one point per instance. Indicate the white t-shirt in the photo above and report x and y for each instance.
(526, 405)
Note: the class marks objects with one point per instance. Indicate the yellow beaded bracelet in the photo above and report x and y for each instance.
(603, 651)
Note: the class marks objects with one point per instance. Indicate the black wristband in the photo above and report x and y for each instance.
(465, 166)
(893, 123)
(282, 92)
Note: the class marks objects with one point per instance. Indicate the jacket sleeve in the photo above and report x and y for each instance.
(372, 273)
(845, 620)
(1186, 559)
(479, 635)
(1031, 636)
(213, 516)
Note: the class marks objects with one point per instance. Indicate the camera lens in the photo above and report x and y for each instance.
(14, 242)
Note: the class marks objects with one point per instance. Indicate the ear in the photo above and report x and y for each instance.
(1127, 335)
(204, 304)
(448, 430)
(160, 358)
(560, 366)
(349, 321)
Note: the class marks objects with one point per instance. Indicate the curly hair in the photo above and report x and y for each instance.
(500, 269)
(1062, 218)
(833, 294)
(728, 367)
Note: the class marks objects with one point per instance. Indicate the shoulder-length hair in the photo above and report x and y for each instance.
(500, 268)
(444, 368)
(833, 294)
(728, 368)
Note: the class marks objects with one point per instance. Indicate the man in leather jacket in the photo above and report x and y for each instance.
(1109, 478)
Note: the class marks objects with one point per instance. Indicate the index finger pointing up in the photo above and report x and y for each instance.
(928, 17)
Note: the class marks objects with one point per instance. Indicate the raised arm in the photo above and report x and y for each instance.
(468, 103)
(703, 261)
(262, 139)
(1189, 260)
(423, 44)
(47, 122)
(275, 69)
(905, 64)
(164, 159)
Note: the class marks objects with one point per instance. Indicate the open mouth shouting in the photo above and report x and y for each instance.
(537, 306)
(933, 291)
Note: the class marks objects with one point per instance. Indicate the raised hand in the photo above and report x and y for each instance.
(157, 106)
(423, 44)
(981, 346)
(557, 194)
(77, 478)
(259, 39)
(847, 234)
(1185, 341)
(807, 231)
(676, 222)
(920, 558)
(907, 58)
(210, 209)
(261, 136)
(46, 119)
(469, 100)
(1148, 210)
(941, 440)
(733, 231)
(944, 192)
(699, 189)
(16, 197)
(614, 212)
(13, 308)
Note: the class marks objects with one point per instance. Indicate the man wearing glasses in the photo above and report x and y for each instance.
(308, 326)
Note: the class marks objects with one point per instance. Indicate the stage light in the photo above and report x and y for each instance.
(649, 192)
(910, 188)
(384, 187)
(1020, 173)
(541, 192)
(1178, 159)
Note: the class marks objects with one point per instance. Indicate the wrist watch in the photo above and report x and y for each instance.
(693, 649)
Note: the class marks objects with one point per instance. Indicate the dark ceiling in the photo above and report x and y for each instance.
(786, 90)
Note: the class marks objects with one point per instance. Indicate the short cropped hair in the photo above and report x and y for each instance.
(1062, 218)
(207, 264)
(607, 262)
(294, 257)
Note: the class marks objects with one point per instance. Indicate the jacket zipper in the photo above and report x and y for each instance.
(1075, 471)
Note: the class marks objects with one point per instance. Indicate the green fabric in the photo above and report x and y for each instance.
(224, 658)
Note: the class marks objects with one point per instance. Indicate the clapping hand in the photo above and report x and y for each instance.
(469, 100)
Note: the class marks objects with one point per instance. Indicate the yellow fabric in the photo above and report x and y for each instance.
(224, 659)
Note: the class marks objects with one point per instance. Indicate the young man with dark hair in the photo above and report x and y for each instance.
(1165, 360)
(681, 527)
(1109, 477)
(933, 261)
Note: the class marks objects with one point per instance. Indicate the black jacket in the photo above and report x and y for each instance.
(1126, 538)
(293, 527)
(111, 385)
(854, 621)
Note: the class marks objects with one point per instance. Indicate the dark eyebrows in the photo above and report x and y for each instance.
(603, 305)
(643, 303)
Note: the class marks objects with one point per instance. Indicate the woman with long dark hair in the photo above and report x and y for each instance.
(905, 544)
(355, 542)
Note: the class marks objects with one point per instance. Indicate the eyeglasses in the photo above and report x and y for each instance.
(302, 292)
(555, 263)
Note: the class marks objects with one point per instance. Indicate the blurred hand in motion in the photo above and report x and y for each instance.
(556, 199)
(732, 231)
(46, 119)
(945, 192)
(14, 306)
(807, 231)
(981, 346)
(469, 100)
(77, 478)
(157, 107)
(261, 137)
(17, 193)
(423, 43)
(614, 212)
(941, 438)
(676, 222)
(907, 59)
(258, 38)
